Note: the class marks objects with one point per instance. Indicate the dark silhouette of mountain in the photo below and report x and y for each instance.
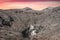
(45, 24)
(27, 8)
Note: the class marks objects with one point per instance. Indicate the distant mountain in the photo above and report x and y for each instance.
(27, 8)
(46, 23)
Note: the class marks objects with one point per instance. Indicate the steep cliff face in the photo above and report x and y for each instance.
(45, 24)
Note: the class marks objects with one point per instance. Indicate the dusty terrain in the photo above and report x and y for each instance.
(48, 20)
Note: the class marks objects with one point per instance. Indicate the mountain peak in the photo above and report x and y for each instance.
(27, 8)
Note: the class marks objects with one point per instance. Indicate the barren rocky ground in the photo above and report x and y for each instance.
(15, 24)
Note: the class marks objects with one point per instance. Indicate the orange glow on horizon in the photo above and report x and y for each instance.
(33, 5)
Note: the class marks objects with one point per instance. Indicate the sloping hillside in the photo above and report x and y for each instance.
(15, 24)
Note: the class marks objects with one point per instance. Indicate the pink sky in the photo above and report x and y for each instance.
(33, 5)
(25, 0)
